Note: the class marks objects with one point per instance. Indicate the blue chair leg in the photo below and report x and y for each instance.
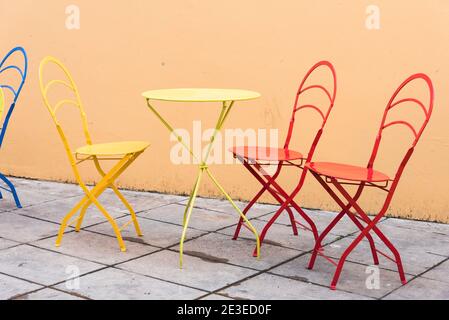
(13, 190)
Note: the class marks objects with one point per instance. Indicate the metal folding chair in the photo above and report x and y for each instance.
(335, 174)
(124, 152)
(254, 158)
(14, 90)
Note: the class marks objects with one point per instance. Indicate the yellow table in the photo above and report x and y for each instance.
(227, 98)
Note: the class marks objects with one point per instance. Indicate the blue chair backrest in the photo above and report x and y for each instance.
(13, 89)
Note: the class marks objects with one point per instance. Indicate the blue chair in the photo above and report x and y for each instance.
(11, 93)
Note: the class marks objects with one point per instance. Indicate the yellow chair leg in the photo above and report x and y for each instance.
(81, 216)
(130, 209)
(96, 191)
(112, 222)
(67, 218)
(187, 214)
(118, 193)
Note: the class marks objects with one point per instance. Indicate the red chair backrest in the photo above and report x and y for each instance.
(416, 130)
(323, 111)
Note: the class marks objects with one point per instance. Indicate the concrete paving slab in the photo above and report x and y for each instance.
(42, 266)
(114, 284)
(33, 192)
(196, 272)
(51, 188)
(6, 206)
(363, 280)
(421, 289)
(417, 249)
(11, 287)
(156, 233)
(5, 244)
(280, 235)
(27, 198)
(439, 228)
(221, 248)
(95, 247)
(216, 297)
(321, 219)
(146, 200)
(201, 219)
(49, 294)
(55, 211)
(440, 272)
(212, 261)
(431, 242)
(226, 207)
(271, 287)
(24, 229)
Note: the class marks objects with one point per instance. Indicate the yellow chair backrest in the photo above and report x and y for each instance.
(54, 108)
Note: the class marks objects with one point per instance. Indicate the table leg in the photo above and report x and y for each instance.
(188, 213)
(226, 108)
(198, 178)
(250, 226)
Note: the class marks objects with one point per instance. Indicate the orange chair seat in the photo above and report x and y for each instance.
(347, 172)
(267, 154)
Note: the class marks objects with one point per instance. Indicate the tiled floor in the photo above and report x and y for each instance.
(89, 264)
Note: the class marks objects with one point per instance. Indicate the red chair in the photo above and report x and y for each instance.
(336, 174)
(253, 158)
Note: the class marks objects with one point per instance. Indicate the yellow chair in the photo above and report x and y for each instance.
(124, 152)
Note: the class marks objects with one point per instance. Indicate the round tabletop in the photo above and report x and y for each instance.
(200, 95)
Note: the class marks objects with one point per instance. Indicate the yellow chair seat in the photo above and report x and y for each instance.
(114, 148)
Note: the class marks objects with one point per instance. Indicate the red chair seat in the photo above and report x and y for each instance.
(267, 154)
(347, 172)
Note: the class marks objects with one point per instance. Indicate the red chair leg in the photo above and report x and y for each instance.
(351, 247)
(373, 223)
(248, 206)
(292, 221)
(348, 207)
(321, 238)
(290, 212)
(289, 199)
(395, 252)
(343, 259)
(371, 226)
(368, 236)
(266, 186)
(283, 207)
(280, 201)
(268, 225)
(307, 218)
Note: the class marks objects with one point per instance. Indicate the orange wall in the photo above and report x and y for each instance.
(125, 48)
